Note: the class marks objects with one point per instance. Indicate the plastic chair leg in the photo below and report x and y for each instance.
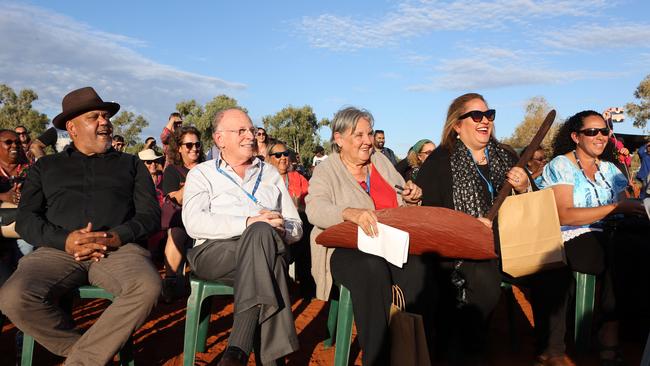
(28, 350)
(192, 323)
(585, 297)
(343, 328)
(204, 322)
(331, 323)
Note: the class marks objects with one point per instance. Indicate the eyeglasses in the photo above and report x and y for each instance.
(21, 133)
(427, 153)
(11, 142)
(594, 131)
(242, 131)
(477, 116)
(261, 133)
(190, 145)
(279, 154)
(149, 162)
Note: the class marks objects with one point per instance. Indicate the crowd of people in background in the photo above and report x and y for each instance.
(243, 209)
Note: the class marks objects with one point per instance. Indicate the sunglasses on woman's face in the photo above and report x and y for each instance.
(190, 145)
(477, 116)
(11, 142)
(594, 131)
(278, 155)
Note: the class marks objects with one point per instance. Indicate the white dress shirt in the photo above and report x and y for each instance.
(216, 207)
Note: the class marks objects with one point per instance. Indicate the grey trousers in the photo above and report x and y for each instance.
(29, 299)
(255, 265)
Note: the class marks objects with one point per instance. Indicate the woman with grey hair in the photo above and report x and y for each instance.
(349, 186)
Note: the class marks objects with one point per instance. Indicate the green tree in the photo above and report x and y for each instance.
(129, 126)
(640, 112)
(201, 116)
(298, 128)
(16, 109)
(536, 110)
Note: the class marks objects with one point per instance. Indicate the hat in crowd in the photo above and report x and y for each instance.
(148, 155)
(81, 101)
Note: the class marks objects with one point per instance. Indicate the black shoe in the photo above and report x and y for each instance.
(233, 356)
(169, 293)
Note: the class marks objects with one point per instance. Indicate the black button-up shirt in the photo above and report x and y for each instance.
(65, 191)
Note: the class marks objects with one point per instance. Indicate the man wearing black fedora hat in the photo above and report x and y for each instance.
(87, 209)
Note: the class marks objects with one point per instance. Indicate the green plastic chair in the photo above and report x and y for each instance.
(197, 316)
(85, 292)
(339, 322)
(585, 298)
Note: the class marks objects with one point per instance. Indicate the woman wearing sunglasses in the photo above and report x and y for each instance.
(186, 153)
(465, 173)
(589, 193)
(262, 140)
(417, 154)
(278, 156)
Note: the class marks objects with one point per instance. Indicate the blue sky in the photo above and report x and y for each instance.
(402, 60)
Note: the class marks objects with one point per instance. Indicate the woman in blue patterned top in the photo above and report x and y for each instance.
(589, 192)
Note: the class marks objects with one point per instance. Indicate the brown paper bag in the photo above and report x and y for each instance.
(529, 232)
(408, 340)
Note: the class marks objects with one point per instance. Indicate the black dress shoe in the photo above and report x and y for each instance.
(233, 356)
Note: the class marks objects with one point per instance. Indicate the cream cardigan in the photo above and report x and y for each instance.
(332, 189)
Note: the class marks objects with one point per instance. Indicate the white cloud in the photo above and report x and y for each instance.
(411, 19)
(53, 54)
(599, 37)
(498, 68)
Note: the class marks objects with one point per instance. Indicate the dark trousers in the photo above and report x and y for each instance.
(256, 267)
(369, 279)
(30, 300)
(551, 290)
(462, 327)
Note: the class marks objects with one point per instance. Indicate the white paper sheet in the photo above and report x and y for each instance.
(391, 244)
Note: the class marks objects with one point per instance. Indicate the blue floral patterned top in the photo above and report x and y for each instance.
(605, 189)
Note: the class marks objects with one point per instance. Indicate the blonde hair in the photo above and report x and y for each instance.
(455, 110)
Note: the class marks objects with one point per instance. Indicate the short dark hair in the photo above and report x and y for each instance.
(118, 138)
(319, 149)
(379, 131)
(149, 138)
(175, 114)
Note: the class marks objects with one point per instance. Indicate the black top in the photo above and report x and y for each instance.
(172, 178)
(403, 168)
(434, 178)
(65, 191)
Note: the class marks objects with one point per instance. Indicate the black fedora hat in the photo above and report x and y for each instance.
(81, 101)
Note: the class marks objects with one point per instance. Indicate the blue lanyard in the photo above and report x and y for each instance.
(489, 184)
(257, 182)
(368, 181)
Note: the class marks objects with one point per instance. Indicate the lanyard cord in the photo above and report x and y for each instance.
(257, 182)
(368, 181)
(489, 184)
(592, 183)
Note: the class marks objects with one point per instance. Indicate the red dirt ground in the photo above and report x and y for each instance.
(160, 340)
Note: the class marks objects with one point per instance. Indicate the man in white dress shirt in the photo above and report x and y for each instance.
(240, 213)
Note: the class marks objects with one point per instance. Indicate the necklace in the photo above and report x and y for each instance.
(611, 190)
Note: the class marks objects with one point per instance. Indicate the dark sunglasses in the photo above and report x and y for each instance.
(477, 116)
(11, 142)
(261, 133)
(21, 133)
(277, 155)
(190, 145)
(594, 131)
(149, 162)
